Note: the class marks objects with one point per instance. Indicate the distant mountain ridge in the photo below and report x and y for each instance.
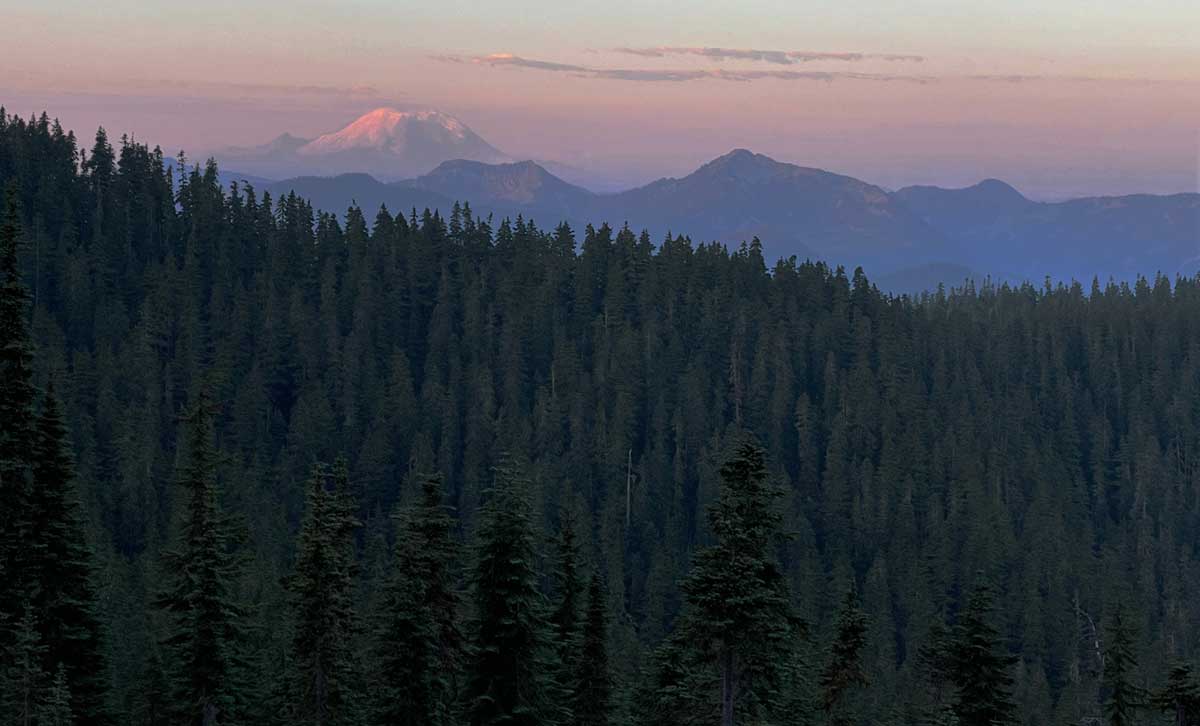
(792, 209)
(520, 183)
(1093, 236)
(916, 236)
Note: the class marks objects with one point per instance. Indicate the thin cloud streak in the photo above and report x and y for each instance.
(1018, 78)
(508, 59)
(675, 75)
(777, 57)
(670, 75)
(744, 76)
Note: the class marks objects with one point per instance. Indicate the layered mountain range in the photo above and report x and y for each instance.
(908, 240)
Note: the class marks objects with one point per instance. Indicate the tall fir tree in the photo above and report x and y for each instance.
(511, 677)
(325, 679)
(935, 703)
(55, 707)
(17, 399)
(61, 562)
(205, 622)
(843, 672)
(1123, 697)
(738, 624)
(591, 703)
(565, 617)
(1180, 697)
(978, 666)
(420, 647)
(23, 681)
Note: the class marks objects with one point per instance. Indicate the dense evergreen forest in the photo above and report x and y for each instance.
(263, 464)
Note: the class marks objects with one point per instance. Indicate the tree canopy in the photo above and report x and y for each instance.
(1043, 438)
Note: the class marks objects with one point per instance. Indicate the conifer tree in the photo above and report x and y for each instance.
(1180, 697)
(61, 563)
(738, 623)
(205, 630)
(420, 647)
(935, 661)
(55, 708)
(844, 669)
(16, 413)
(23, 684)
(966, 659)
(1123, 697)
(325, 679)
(510, 680)
(592, 701)
(152, 697)
(565, 618)
(678, 687)
(980, 670)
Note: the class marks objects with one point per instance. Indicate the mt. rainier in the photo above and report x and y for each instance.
(387, 143)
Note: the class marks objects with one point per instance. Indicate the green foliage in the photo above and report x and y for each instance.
(205, 621)
(591, 702)
(843, 672)
(326, 681)
(1180, 697)
(16, 413)
(55, 708)
(1044, 434)
(1123, 696)
(982, 670)
(565, 617)
(738, 624)
(61, 565)
(45, 561)
(969, 656)
(510, 681)
(22, 680)
(420, 648)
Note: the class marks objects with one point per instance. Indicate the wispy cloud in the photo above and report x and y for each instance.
(778, 57)
(1007, 78)
(1019, 78)
(678, 75)
(508, 59)
(645, 74)
(674, 75)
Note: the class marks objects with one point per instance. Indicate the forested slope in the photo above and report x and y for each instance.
(1042, 442)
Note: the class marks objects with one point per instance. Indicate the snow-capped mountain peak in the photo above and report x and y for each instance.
(389, 129)
(387, 142)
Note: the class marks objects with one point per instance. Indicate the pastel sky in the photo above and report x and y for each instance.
(1059, 97)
